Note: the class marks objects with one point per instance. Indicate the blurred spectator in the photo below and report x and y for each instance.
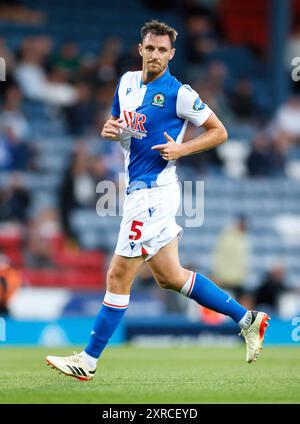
(104, 96)
(216, 76)
(80, 117)
(100, 169)
(201, 40)
(107, 68)
(58, 90)
(107, 60)
(113, 46)
(68, 58)
(15, 11)
(267, 157)
(242, 100)
(33, 79)
(108, 152)
(129, 61)
(287, 118)
(42, 230)
(29, 72)
(15, 155)
(272, 286)
(15, 201)
(10, 282)
(5, 157)
(12, 116)
(78, 188)
(6, 53)
(211, 88)
(88, 70)
(231, 258)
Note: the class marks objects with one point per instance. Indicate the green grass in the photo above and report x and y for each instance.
(170, 375)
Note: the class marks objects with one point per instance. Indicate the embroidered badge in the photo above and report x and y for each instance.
(158, 100)
(198, 104)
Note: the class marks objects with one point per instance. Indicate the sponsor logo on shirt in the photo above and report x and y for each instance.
(158, 100)
(198, 104)
(135, 124)
(128, 91)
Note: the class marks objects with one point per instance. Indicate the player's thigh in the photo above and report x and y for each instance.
(166, 267)
(121, 273)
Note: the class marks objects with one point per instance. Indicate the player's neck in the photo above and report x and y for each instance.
(148, 77)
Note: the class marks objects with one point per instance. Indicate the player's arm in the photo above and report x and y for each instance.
(214, 135)
(112, 128)
(190, 107)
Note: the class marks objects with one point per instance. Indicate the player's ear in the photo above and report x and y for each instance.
(140, 49)
(172, 54)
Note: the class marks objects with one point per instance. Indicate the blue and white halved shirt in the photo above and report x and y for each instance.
(149, 110)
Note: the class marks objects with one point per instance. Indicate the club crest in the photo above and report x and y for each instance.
(158, 100)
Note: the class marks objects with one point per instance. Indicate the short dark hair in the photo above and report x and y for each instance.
(159, 28)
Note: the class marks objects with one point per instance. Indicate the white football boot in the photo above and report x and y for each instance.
(73, 366)
(254, 335)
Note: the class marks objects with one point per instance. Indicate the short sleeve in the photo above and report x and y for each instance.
(115, 111)
(189, 106)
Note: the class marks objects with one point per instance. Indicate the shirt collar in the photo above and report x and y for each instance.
(157, 81)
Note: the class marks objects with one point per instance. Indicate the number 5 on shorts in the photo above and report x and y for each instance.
(134, 228)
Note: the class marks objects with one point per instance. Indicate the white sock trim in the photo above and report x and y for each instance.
(188, 285)
(90, 361)
(246, 320)
(116, 301)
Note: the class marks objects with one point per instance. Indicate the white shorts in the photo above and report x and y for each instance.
(148, 221)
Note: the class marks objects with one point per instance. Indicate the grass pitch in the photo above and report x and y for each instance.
(131, 375)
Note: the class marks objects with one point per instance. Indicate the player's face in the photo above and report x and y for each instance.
(156, 51)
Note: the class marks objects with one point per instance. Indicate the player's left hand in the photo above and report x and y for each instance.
(170, 150)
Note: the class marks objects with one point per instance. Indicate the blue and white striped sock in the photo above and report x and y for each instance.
(207, 294)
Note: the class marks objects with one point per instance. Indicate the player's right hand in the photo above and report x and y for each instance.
(112, 129)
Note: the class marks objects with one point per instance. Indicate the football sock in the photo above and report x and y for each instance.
(207, 294)
(108, 319)
(89, 360)
(247, 320)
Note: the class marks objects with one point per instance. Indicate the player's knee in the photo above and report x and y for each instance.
(114, 279)
(165, 283)
(168, 282)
